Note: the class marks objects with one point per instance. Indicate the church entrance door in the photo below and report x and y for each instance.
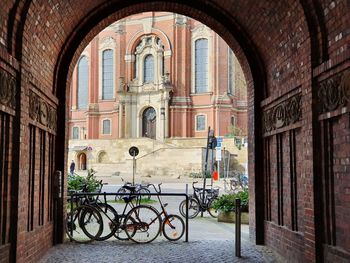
(149, 123)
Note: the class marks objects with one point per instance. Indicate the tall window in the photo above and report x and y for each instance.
(231, 72)
(201, 65)
(148, 69)
(83, 83)
(106, 129)
(75, 132)
(107, 74)
(200, 122)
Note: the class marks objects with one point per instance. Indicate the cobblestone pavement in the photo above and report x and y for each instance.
(209, 241)
(206, 251)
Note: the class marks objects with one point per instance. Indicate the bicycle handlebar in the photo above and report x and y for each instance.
(157, 191)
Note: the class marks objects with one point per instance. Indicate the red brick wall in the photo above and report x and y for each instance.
(286, 48)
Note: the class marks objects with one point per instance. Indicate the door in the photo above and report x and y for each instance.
(149, 123)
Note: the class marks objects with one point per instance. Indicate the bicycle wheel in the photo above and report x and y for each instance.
(193, 208)
(121, 231)
(73, 225)
(121, 190)
(91, 222)
(110, 221)
(144, 222)
(145, 193)
(173, 227)
(212, 211)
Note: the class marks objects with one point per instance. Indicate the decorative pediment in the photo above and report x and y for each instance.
(149, 41)
(201, 31)
(107, 42)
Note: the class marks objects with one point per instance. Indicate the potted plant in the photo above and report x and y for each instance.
(225, 204)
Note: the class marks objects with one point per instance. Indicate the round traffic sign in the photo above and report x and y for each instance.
(134, 151)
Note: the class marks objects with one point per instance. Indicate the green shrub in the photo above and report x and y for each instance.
(226, 203)
(76, 182)
(199, 175)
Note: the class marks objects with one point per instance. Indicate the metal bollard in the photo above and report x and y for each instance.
(238, 227)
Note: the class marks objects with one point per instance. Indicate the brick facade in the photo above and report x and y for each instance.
(286, 48)
(177, 34)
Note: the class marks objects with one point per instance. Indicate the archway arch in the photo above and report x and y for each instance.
(228, 28)
(283, 48)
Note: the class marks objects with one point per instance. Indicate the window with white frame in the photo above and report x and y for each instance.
(83, 83)
(201, 65)
(148, 69)
(75, 133)
(107, 74)
(200, 122)
(106, 127)
(231, 73)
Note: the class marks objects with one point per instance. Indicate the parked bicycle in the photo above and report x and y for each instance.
(234, 185)
(84, 221)
(139, 188)
(196, 202)
(173, 226)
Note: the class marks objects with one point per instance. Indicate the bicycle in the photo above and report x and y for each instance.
(196, 203)
(92, 221)
(234, 185)
(118, 227)
(140, 188)
(83, 222)
(173, 227)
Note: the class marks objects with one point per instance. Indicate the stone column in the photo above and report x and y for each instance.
(127, 121)
(120, 120)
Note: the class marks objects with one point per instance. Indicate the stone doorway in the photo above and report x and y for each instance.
(149, 121)
(82, 161)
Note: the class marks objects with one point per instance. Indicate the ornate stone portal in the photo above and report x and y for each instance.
(149, 89)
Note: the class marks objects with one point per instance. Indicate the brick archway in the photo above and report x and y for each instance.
(296, 61)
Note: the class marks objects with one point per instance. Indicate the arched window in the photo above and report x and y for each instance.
(107, 74)
(231, 73)
(201, 65)
(148, 69)
(83, 83)
(106, 127)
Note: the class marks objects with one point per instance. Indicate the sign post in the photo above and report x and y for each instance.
(133, 151)
(218, 153)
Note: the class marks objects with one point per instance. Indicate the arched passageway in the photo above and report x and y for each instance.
(295, 56)
(81, 161)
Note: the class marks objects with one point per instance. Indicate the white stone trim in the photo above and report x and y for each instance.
(105, 44)
(202, 32)
(75, 126)
(195, 121)
(110, 126)
(228, 72)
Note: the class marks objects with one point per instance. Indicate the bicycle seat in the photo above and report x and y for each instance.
(131, 188)
(128, 199)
